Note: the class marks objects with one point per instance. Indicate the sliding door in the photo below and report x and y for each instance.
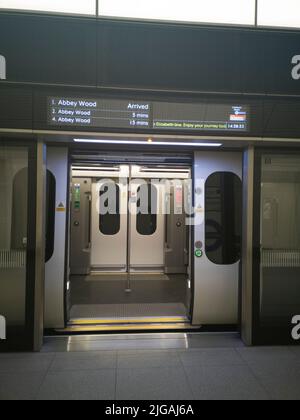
(17, 245)
(276, 279)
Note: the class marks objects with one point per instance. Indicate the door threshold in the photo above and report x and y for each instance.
(128, 321)
(79, 325)
(95, 273)
(73, 329)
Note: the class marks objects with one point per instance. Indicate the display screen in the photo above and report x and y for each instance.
(99, 113)
(123, 114)
(200, 117)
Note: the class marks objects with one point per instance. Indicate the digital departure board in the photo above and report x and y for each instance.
(200, 117)
(99, 113)
(123, 114)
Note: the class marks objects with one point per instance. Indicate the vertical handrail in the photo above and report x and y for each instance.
(129, 204)
(88, 213)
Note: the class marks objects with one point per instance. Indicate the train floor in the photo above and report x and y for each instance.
(117, 297)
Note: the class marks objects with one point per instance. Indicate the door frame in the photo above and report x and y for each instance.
(190, 166)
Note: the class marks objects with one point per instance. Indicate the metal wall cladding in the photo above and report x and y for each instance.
(16, 107)
(189, 58)
(105, 53)
(170, 57)
(49, 50)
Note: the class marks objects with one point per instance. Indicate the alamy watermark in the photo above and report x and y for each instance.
(296, 67)
(155, 196)
(2, 67)
(296, 329)
(2, 328)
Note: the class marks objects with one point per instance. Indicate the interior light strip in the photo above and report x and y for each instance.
(149, 143)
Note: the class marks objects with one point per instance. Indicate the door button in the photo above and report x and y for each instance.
(199, 245)
(198, 253)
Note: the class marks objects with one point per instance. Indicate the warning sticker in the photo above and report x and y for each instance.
(61, 208)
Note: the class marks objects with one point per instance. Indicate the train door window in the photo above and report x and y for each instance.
(223, 218)
(50, 214)
(109, 217)
(147, 200)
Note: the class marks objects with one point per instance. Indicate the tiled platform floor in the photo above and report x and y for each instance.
(151, 367)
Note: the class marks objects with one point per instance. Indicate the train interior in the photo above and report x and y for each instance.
(129, 255)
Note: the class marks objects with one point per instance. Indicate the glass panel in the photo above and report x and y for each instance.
(147, 200)
(109, 219)
(50, 214)
(84, 7)
(280, 240)
(279, 13)
(210, 11)
(13, 233)
(223, 218)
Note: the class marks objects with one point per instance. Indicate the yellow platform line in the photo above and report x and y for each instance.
(143, 327)
(90, 321)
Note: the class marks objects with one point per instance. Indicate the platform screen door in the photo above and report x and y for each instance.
(16, 245)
